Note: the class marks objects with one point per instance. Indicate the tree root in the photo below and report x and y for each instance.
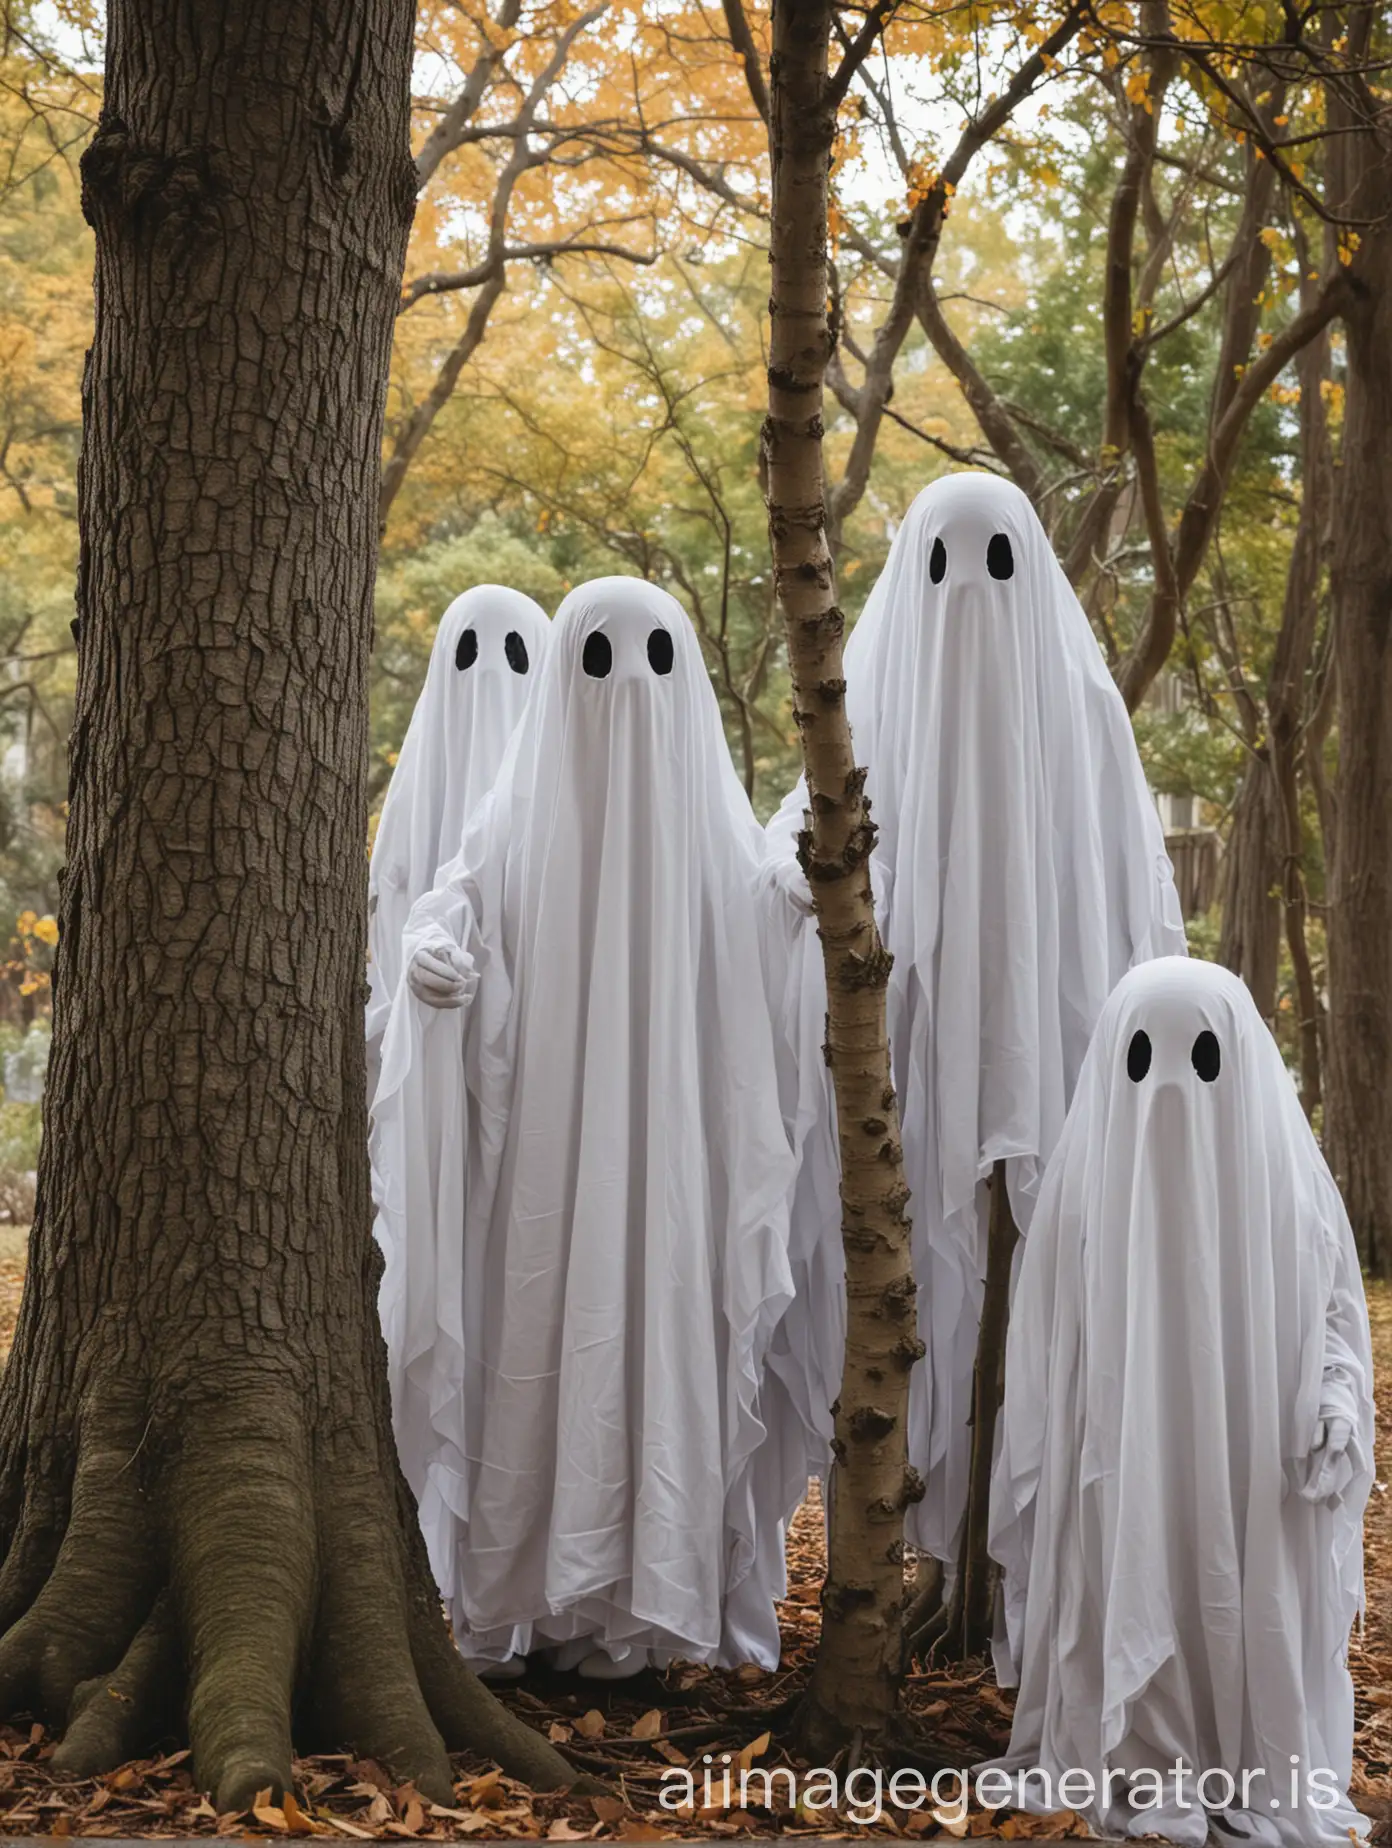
(99, 1592)
(118, 1717)
(924, 1608)
(244, 1579)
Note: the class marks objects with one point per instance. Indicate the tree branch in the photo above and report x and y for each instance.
(447, 132)
(742, 39)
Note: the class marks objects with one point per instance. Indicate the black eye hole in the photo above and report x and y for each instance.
(598, 656)
(1207, 1056)
(937, 562)
(660, 653)
(516, 651)
(1138, 1056)
(467, 652)
(1000, 560)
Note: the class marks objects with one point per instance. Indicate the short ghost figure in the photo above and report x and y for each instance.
(1187, 1442)
(588, 1401)
(1020, 870)
(484, 659)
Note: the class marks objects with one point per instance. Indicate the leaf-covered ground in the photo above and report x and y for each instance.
(633, 1733)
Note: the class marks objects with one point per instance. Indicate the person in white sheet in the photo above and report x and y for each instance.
(1187, 1444)
(585, 1396)
(483, 662)
(1020, 870)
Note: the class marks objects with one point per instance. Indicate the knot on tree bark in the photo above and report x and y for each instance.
(839, 1600)
(874, 1126)
(908, 1351)
(833, 691)
(901, 1295)
(787, 378)
(915, 1488)
(872, 969)
(871, 1423)
(124, 178)
(828, 626)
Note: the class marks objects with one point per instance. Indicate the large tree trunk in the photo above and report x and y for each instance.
(199, 1499)
(1359, 1112)
(1250, 944)
(855, 1684)
(1290, 694)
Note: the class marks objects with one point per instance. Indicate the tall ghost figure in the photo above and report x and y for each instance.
(487, 650)
(1020, 870)
(1187, 1444)
(587, 1394)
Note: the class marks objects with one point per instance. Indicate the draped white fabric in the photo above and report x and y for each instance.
(1020, 871)
(472, 698)
(1189, 1307)
(583, 1401)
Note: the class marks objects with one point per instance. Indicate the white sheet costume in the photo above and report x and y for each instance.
(1020, 871)
(483, 662)
(608, 1257)
(1188, 1431)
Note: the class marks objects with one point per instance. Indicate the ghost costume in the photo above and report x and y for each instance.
(1183, 1554)
(484, 659)
(1020, 870)
(589, 1393)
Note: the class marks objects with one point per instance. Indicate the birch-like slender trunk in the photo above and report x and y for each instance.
(855, 1684)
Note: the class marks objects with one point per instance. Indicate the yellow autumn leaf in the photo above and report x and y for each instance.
(755, 1749)
(46, 930)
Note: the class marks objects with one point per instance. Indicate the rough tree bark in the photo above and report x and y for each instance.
(1265, 857)
(201, 1513)
(855, 1683)
(1359, 1112)
(1250, 944)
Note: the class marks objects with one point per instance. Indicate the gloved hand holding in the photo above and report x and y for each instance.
(790, 879)
(1332, 1438)
(442, 975)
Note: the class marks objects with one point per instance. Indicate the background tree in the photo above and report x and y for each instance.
(199, 1500)
(1360, 926)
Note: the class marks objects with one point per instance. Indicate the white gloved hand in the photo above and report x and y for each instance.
(789, 878)
(442, 975)
(1332, 1439)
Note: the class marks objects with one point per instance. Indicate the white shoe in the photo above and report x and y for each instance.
(602, 1666)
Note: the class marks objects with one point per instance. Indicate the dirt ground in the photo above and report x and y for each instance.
(633, 1733)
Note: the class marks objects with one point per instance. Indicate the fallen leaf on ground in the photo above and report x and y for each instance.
(564, 1830)
(649, 1726)
(486, 1792)
(591, 1725)
(755, 1749)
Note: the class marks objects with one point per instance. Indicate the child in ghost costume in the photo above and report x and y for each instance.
(485, 657)
(589, 970)
(1188, 1436)
(1020, 870)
